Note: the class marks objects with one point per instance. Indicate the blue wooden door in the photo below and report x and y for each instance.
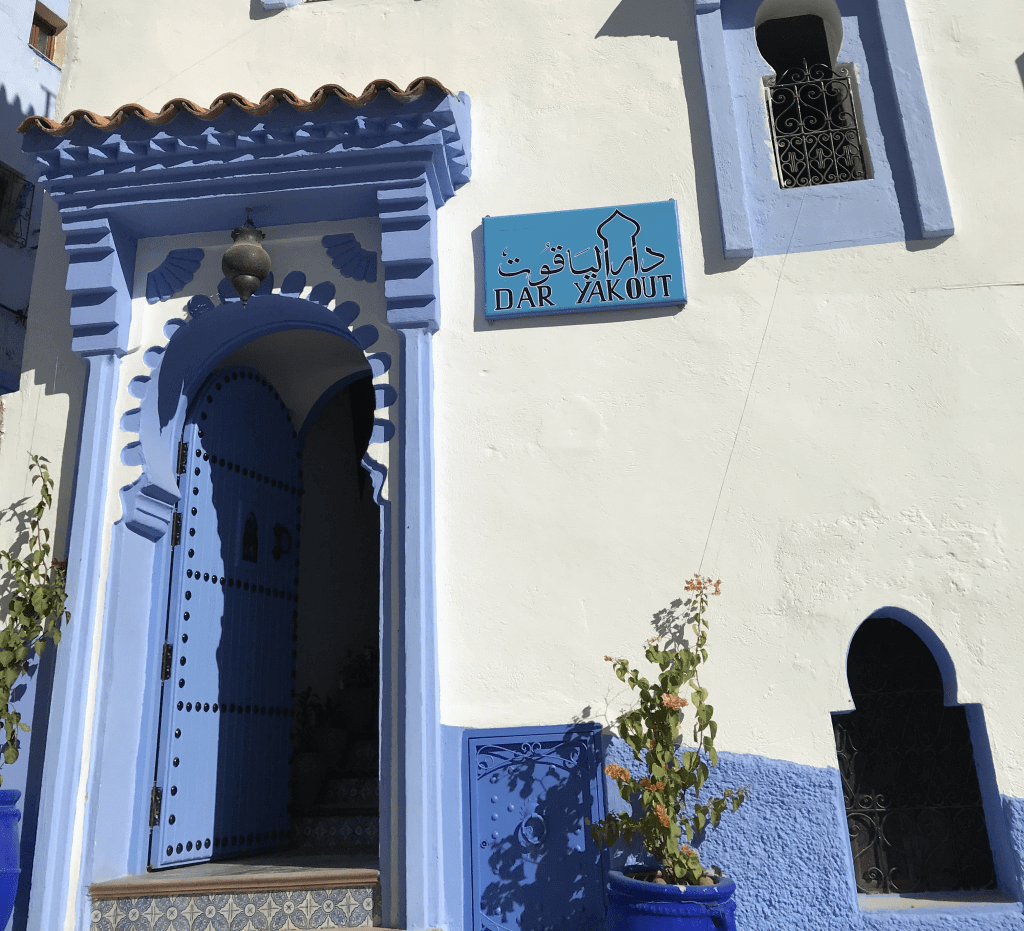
(228, 663)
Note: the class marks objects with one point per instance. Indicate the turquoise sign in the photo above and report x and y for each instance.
(602, 258)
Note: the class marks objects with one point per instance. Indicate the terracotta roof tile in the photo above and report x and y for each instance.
(266, 103)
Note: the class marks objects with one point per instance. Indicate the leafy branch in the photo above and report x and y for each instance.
(652, 732)
(37, 586)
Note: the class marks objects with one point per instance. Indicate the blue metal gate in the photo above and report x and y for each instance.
(228, 662)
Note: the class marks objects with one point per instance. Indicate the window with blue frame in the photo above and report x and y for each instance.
(803, 96)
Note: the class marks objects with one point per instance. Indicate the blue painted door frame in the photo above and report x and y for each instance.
(94, 770)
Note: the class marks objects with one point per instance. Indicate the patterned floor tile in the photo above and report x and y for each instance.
(268, 911)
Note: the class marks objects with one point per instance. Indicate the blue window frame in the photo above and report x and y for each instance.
(904, 199)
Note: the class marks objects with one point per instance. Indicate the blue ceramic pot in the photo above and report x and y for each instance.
(9, 871)
(634, 905)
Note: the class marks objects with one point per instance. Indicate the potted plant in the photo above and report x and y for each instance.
(668, 811)
(35, 586)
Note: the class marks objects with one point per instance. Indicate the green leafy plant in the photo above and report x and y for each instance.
(668, 798)
(36, 583)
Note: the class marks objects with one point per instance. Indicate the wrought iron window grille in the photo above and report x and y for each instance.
(910, 785)
(816, 134)
(16, 198)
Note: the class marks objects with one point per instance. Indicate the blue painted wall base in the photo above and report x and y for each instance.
(788, 850)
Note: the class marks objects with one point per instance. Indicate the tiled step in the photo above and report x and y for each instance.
(353, 792)
(335, 833)
(240, 897)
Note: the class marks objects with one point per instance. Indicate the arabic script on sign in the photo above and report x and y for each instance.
(582, 265)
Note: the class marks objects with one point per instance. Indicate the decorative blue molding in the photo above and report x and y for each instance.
(399, 161)
(350, 258)
(176, 271)
(408, 250)
(99, 279)
(916, 120)
(190, 176)
(725, 145)
(905, 199)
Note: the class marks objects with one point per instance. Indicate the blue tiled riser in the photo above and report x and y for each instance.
(258, 911)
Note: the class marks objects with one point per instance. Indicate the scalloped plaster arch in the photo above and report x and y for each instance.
(179, 368)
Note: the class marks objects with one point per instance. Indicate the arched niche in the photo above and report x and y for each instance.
(826, 10)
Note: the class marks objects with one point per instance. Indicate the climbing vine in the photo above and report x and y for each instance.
(35, 584)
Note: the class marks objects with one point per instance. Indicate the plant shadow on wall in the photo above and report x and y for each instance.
(675, 21)
(542, 868)
(1020, 68)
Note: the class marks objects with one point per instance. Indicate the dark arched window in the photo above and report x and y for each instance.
(913, 804)
(811, 106)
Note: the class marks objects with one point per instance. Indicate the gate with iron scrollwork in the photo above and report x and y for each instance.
(910, 786)
(534, 865)
(814, 125)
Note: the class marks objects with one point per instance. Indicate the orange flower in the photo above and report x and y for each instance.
(618, 773)
(675, 702)
(662, 815)
(609, 659)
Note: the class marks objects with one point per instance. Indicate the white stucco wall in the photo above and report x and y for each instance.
(828, 432)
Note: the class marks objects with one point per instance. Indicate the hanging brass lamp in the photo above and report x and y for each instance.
(246, 263)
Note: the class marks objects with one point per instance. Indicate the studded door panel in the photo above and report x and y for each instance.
(533, 863)
(226, 714)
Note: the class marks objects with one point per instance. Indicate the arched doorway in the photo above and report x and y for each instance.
(318, 425)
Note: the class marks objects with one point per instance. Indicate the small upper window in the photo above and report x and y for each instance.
(811, 105)
(47, 35)
(44, 37)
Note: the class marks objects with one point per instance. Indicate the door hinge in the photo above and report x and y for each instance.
(182, 457)
(165, 664)
(176, 528)
(156, 801)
